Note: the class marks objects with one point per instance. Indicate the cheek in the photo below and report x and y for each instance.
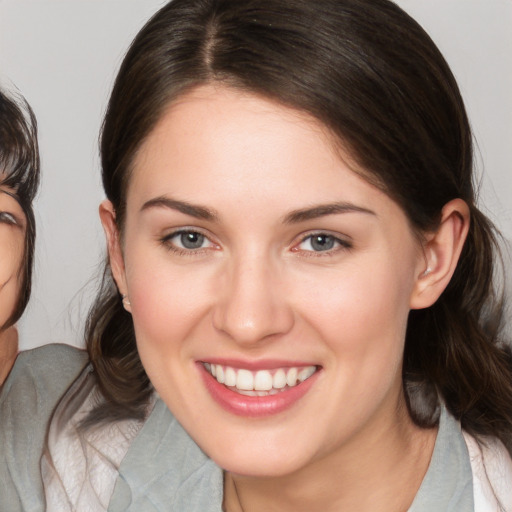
(362, 318)
(362, 315)
(166, 301)
(10, 259)
(168, 304)
(9, 294)
(360, 299)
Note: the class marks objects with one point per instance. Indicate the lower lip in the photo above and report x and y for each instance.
(255, 406)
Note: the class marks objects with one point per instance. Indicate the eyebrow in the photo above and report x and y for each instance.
(7, 192)
(14, 195)
(199, 212)
(294, 217)
(322, 210)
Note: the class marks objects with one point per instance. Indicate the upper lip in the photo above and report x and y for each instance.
(255, 365)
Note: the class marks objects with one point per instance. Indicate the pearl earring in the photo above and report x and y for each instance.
(126, 301)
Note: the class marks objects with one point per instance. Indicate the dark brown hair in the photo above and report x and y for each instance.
(19, 170)
(373, 76)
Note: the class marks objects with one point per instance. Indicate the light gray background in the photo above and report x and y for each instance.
(63, 55)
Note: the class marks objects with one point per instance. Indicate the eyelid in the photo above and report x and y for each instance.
(9, 218)
(186, 229)
(343, 243)
(166, 240)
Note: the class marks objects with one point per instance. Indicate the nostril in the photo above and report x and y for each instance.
(252, 324)
(252, 307)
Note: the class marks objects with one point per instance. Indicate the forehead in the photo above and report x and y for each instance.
(217, 112)
(245, 156)
(214, 131)
(9, 201)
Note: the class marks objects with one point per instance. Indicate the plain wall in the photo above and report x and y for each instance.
(63, 56)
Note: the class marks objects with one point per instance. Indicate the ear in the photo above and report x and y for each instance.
(115, 253)
(441, 251)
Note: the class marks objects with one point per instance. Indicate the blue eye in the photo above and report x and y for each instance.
(321, 242)
(188, 240)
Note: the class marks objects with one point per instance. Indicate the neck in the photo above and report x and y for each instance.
(8, 351)
(380, 470)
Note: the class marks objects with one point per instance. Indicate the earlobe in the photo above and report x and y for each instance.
(441, 251)
(115, 253)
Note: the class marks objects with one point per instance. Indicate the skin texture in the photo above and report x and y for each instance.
(12, 235)
(257, 291)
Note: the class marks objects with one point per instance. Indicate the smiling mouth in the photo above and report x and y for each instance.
(261, 382)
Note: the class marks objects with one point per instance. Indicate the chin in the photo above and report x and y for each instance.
(261, 458)
(267, 468)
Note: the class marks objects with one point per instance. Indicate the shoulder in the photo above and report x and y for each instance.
(40, 376)
(46, 355)
(491, 465)
(28, 397)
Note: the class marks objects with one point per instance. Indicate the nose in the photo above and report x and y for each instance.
(252, 305)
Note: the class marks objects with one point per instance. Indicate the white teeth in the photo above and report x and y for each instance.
(244, 380)
(249, 393)
(279, 380)
(291, 377)
(262, 382)
(305, 373)
(230, 377)
(220, 374)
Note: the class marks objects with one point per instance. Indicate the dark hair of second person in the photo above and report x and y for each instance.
(19, 179)
(19, 171)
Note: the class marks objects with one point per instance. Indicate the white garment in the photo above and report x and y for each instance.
(492, 474)
(79, 468)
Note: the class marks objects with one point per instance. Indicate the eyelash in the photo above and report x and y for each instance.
(167, 242)
(8, 218)
(339, 244)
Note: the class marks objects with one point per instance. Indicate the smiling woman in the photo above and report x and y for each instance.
(19, 177)
(298, 313)
(297, 288)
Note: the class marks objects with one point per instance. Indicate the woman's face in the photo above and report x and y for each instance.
(12, 237)
(269, 283)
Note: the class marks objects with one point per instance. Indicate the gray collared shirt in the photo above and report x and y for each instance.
(448, 483)
(164, 470)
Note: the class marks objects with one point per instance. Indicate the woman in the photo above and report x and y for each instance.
(24, 407)
(19, 178)
(298, 313)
